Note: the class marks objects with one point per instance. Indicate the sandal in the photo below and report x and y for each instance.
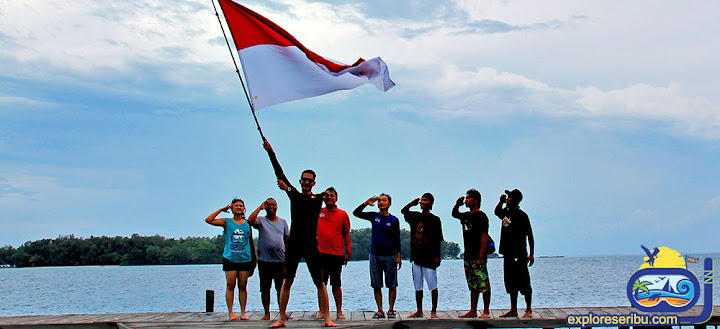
(379, 315)
(391, 314)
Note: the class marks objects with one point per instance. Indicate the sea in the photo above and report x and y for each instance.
(571, 281)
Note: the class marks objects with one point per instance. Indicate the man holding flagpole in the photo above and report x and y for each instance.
(303, 243)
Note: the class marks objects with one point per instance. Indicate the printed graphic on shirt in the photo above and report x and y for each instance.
(506, 222)
(238, 241)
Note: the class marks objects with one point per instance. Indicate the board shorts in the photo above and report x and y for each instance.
(292, 261)
(331, 266)
(424, 273)
(244, 267)
(383, 266)
(517, 277)
(477, 276)
(269, 272)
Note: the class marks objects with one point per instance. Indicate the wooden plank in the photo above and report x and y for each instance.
(543, 313)
(558, 313)
(496, 313)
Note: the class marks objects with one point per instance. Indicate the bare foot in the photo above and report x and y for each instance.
(470, 314)
(484, 315)
(266, 316)
(319, 316)
(245, 318)
(341, 316)
(287, 317)
(417, 314)
(329, 323)
(528, 314)
(433, 315)
(278, 324)
(510, 314)
(233, 317)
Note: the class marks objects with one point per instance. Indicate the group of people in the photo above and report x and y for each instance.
(320, 236)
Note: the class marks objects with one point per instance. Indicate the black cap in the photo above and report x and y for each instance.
(514, 194)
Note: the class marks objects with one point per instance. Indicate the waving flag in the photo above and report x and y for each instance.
(278, 68)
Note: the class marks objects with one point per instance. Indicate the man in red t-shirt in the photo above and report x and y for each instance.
(333, 233)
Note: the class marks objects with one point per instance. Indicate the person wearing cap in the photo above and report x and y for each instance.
(475, 237)
(425, 240)
(515, 229)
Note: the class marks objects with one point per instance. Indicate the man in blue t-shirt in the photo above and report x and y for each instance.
(385, 257)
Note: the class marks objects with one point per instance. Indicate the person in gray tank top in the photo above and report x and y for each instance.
(273, 233)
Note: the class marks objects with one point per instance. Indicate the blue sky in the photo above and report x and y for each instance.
(122, 118)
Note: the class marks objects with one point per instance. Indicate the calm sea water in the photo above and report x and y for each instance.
(557, 282)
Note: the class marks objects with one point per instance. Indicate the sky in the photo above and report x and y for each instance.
(128, 117)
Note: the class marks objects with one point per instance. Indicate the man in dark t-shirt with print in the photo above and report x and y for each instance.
(302, 243)
(425, 240)
(475, 238)
(516, 260)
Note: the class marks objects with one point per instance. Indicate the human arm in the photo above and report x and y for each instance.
(406, 210)
(252, 219)
(499, 207)
(440, 240)
(531, 243)
(396, 242)
(346, 238)
(358, 212)
(283, 182)
(456, 207)
(217, 221)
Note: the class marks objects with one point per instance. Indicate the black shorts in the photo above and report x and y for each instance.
(516, 275)
(292, 260)
(244, 267)
(331, 266)
(269, 272)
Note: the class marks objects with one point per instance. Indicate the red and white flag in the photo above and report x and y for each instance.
(279, 69)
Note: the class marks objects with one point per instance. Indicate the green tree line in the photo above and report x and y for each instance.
(157, 250)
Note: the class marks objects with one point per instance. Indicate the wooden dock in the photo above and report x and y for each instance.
(543, 318)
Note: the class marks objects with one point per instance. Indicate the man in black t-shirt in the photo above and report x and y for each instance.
(516, 260)
(302, 243)
(425, 240)
(475, 239)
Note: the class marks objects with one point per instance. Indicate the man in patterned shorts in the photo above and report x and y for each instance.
(475, 238)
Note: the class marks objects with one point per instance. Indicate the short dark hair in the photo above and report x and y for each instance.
(388, 196)
(473, 193)
(332, 189)
(308, 171)
(271, 198)
(430, 197)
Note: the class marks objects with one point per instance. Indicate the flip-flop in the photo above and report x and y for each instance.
(379, 315)
(391, 314)
(275, 325)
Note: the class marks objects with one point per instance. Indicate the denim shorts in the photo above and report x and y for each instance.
(383, 266)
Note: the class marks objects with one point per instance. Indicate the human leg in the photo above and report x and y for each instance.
(430, 276)
(291, 264)
(337, 295)
(242, 279)
(376, 281)
(230, 280)
(265, 285)
(510, 285)
(417, 275)
(391, 280)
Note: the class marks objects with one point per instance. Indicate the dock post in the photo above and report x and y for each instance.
(209, 301)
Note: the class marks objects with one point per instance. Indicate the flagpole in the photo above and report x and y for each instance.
(237, 70)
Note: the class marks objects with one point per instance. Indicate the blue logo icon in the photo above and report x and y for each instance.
(664, 284)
